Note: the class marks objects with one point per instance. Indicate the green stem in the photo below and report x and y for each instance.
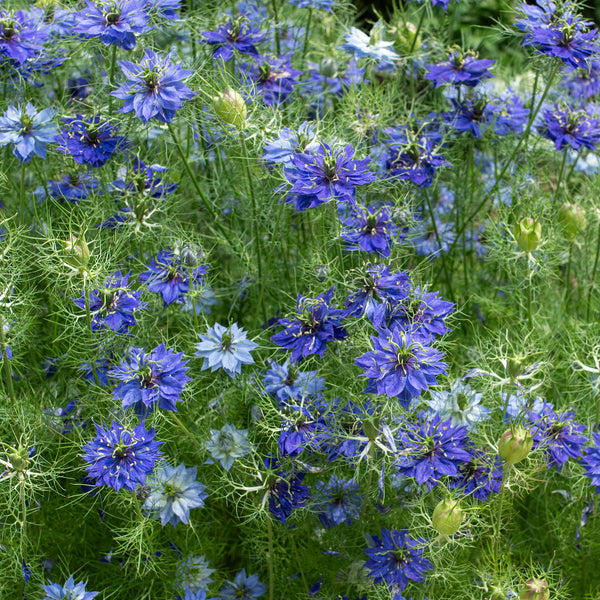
(568, 278)
(306, 34)
(270, 559)
(22, 193)
(185, 430)
(529, 294)
(277, 35)
(111, 77)
(193, 300)
(6, 363)
(589, 295)
(560, 175)
(299, 562)
(89, 322)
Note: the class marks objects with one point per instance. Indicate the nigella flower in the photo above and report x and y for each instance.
(371, 46)
(143, 180)
(72, 188)
(174, 491)
(102, 366)
(338, 501)
(150, 379)
(170, 277)
(22, 34)
(234, 34)
(225, 347)
(401, 365)
(227, 444)
(290, 142)
(199, 595)
(28, 129)
(517, 405)
(344, 422)
(570, 127)
(273, 77)
(154, 87)
(428, 450)
(314, 324)
(460, 404)
(591, 461)
(325, 175)
(167, 9)
(70, 590)
(479, 477)
(302, 428)
(327, 5)
(113, 21)
(370, 229)
(121, 457)
(474, 115)
(425, 237)
(287, 383)
(243, 587)
(89, 141)
(583, 83)
(559, 435)
(396, 559)
(193, 574)
(460, 69)
(114, 305)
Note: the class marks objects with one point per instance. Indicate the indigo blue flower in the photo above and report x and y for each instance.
(103, 365)
(272, 77)
(154, 87)
(570, 127)
(113, 21)
(227, 444)
(143, 180)
(314, 324)
(428, 450)
(290, 142)
(28, 129)
(22, 34)
(479, 477)
(396, 559)
(344, 422)
(338, 501)
(169, 277)
(460, 404)
(121, 457)
(150, 379)
(371, 46)
(243, 587)
(167, 9)
(302, 429)
(401, 365)
(584, 82)
(225, 347)
(234, 34)
(69, 591)
(89, 141)
(73, 188)
(325, 175)
(475, 114)
(199, 595)
(174, 491)
(460, 69)
(425, 238)
(287, 383)
(114, 305)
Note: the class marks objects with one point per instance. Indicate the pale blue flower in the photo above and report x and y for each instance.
(461, 404)
(193, 574)
(372, 46)
(243, 587)
(69, 591)
(227, 444)
(174, 491)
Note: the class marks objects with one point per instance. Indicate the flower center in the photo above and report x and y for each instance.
(171, 491)
(26, 123)
(462, 400)
(112, 18)
(151, 79)
(330, 168)
(226, 341)
(9, 29)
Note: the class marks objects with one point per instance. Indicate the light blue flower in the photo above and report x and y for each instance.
(174, 491)
(518, 404)
(205, 297)
(226, 348)
(243, 587)
(370, 46)
(69, 591)
(193, 574)
(227, 444)
(461, 404)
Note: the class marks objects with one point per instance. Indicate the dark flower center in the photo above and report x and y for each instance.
(291, 376)
(400, 557)
(462, 400)
(264, 72)
(120, 450)
(330, 168)
(74, 179)
(9, 29)
(146, 377)
(112, 18)
(92, 135)
(151, 80)
(226, 341)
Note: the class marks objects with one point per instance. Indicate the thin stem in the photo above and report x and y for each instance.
(185, 430)
(22, 193)
(193, 300)
(299, 562)
(89, 322)
(111, 77)
(529, 293)
(568, 278)
(270, 560)
(306, 33)
(276, 15)
(6, 363)
(589, 295)
(560, 175)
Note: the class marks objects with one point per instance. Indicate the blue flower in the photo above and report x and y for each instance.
(460, 69)
(73, 188)
(28, 129)
(225, 347)
(154, 87)
(174, 491)
(272, 77)
(227, 444)
(156, 378)
(314, 324)
(425, 240)
(143, 180)
(243, 587)
(22, 34)
(570, 127)
(89, 141)
(193, 575)
(302, 428)
(371, 46)
(396, 559)
(113, 21)
(479, 477)
(338, 501)
(401, 365)
(287, 383)
(460, 404)
(327, 5)
(290, 142)
(233, 35)
(114, 305)
(69, 591)
(120, 457)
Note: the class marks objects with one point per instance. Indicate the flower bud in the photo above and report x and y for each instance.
(527, 233)
(515, 444)
(405, 38)
(231, 108)
(76, 253)
(515, 367)
(535, 589)
(572, 220)
(19, 458)
(328, 67)
(447, 517)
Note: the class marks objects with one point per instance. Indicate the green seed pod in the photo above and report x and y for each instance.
(447, 517)
(515, 367)
(231, 108)
(535, 589)
(405, 38)
(515, 444)
(76, 253)
(527, 234)
(572, 220)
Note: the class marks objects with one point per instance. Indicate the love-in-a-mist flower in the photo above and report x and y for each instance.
(113, 21)
(460, 69)
(401, 365)
(287, 383)
(226, 348)
(273, 78)
(233, 35)
(69, 591)
(397, 559)
(174, 491)
(22, 34)
(460, 404)
(154, 87)
(338, 501)
(243, 587)
(27, 130)
(571, 127)
(113, 306)
(371, 46)
(479, 477)
(151, 379)
(193, 574)
(227, 444)
(121, 457)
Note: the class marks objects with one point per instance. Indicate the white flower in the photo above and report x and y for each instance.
(461, 404)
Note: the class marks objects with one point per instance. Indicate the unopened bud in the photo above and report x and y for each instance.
(535, 589)
(405, 38)
(572, 219)
(447, 517)
(515, 367)
(231, 108)
(515, 444)
(528, 233)
(76, 253)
